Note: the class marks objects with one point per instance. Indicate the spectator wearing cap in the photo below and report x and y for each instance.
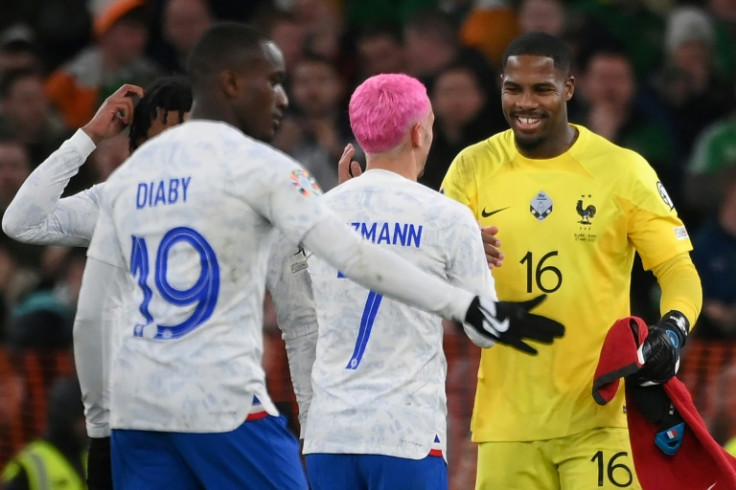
(121, 32)
(688, 83)
(25, 112)
(18, 49)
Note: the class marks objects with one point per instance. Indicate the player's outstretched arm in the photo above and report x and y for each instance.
(385, 272)
(36, 214)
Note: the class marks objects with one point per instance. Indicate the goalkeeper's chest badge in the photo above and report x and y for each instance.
(541, 205)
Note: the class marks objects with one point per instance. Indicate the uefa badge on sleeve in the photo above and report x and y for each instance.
(305, 183)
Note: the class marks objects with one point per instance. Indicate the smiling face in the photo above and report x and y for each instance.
(534, 97)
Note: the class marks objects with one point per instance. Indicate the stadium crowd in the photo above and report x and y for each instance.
(654, 76)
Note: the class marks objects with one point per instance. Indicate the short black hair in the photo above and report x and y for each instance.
(171, 93)
(222, 46)
(540, 44)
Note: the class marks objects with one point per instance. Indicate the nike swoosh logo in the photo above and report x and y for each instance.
(486, 214)
(500, 327)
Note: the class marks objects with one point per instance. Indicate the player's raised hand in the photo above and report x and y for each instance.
(115, 113)
(491, 245)
(347, 168)
(510, 323)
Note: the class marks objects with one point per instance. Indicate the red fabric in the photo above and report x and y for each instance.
(700, 462)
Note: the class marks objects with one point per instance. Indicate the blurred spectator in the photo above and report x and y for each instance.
(25, 111)
(490, 26)
(723, 13)
(380, 50)
(55, 460)
(286, 31)
(16, 281)
(18, 49)
(431, 44)
(182, 22)
(117, 57)
(323, 24)
(15, 165)
(41, 324)
(43, 319)
(464, 114)
(542, 16)
(687, 83)
(60, 27)
(636, 23)
(317, 130)
(714, 256)
(713, 151)
(613, 109)
(360, 12)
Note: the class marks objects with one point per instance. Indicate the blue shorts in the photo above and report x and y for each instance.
(260, 454)
(375, 472)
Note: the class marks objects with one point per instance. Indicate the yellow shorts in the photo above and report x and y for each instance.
(592, 460)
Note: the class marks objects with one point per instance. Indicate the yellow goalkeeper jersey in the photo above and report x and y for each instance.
(569, 227)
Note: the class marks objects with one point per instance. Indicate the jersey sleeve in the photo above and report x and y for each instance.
(276, 187)
(37, 215)
(656, 231)
(290, 286)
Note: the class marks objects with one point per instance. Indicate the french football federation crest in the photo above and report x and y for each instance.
(541, 205)
(586, 212)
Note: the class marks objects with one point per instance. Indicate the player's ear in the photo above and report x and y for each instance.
(229, 82)
(416, 135)
(569, 87)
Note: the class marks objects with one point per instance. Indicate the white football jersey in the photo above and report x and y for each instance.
(37, 215)
(190, 217)
(378, 380)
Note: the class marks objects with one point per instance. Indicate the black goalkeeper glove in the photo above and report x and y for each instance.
(99, 464)
(661, 349)
(510, 323)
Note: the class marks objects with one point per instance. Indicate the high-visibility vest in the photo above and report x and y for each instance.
(45, 467)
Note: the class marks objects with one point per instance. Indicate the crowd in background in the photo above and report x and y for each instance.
(655, 76)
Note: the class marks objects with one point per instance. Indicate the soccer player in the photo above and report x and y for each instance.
(377, 417)
(187, 223)
(37, 215)
(572, 209)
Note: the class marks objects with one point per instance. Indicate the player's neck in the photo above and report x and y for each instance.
(402, 163)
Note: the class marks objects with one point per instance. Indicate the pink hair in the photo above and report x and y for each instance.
(384, 107)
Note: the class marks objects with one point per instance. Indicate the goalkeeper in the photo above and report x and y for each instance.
(572, 209)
